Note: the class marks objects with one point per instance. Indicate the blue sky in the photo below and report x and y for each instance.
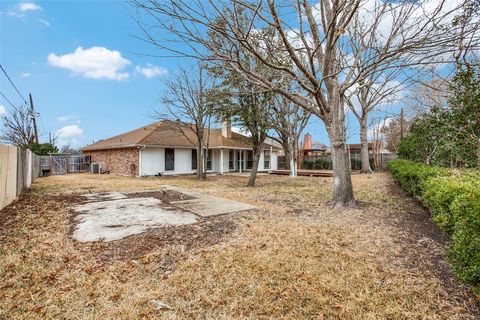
(81, 62)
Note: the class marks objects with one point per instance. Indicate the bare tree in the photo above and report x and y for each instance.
(187, 106)
(68, 149)
(377, 138)
(289, 120)
(17, 128)
(314, 42)
(392, 133)
(372, 93)
(380, 86)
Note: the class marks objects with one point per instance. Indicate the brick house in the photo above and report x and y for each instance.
(165, 147)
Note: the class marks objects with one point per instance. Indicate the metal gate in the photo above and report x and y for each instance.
(58, 165)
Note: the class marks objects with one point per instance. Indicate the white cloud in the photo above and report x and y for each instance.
(68, 117)
(69, 135)
(21, 9)
(25, 74)
(95, 63)
(71, 131)
(3, 111)
(44, 22)
(28, 6)
(151, 71)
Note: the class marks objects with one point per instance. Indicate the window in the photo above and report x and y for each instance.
(249, 159)
(194, 159)
(169, 159)
(230, 160)
(209, 160)
(266, 159)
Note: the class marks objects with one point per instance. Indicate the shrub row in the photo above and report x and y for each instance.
(318, 164)
(453, 198)
(325, 163)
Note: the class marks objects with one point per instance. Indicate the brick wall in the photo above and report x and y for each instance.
(118, 161)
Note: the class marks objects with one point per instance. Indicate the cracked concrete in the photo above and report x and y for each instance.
(116, 219)
(110, 216)
(206, 205)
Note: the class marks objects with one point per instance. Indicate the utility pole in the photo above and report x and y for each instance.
(401, 123)
(33, 118)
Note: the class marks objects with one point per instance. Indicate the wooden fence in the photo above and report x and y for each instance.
(18, 169)
(56, 164)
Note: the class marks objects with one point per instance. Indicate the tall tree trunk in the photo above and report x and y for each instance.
(293, 169)
(200, 163)
(288, 155)
(204, 163)
(364, 146)
(256, 159)
(342, 180)
(293, 160)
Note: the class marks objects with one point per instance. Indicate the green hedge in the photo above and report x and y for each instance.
(454, 200)
(412, 176)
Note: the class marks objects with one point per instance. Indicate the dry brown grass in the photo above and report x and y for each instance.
(295, 258)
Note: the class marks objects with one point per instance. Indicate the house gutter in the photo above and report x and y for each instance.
(140, 160)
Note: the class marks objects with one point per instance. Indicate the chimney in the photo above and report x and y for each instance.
(307, 142)
(227, 128)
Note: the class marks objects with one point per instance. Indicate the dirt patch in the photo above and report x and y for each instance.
(207, 232)
(9, 214)
(164, 195)
(427, 244)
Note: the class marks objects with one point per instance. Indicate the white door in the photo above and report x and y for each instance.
(152, 161)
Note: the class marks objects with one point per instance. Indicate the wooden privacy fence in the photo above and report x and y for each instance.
(18, 169)
(56, 164)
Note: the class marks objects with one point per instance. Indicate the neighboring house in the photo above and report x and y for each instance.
(310, 149)
(166, 147)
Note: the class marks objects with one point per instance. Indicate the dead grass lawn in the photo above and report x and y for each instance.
(296, 258)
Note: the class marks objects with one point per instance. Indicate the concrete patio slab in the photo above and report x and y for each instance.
(109, 216)
(116, 219)
(206, 205)
(103, 196)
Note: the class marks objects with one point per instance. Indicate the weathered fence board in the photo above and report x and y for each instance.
(56, 164)
(18, 169)
(8, 174)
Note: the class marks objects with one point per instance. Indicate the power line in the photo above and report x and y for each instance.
(5, 72)
(4, 97)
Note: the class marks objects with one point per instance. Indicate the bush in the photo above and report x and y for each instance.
(356, 164)
(412, 176)
(325, 163)
(318, 164)
(454, 200)
(440, 194)
(465, 251)
(43, 149)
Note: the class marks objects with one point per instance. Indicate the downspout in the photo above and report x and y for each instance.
(140, 160)
(271, 158)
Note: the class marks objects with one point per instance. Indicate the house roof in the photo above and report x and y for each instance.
(358, 146)
(170, 134)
